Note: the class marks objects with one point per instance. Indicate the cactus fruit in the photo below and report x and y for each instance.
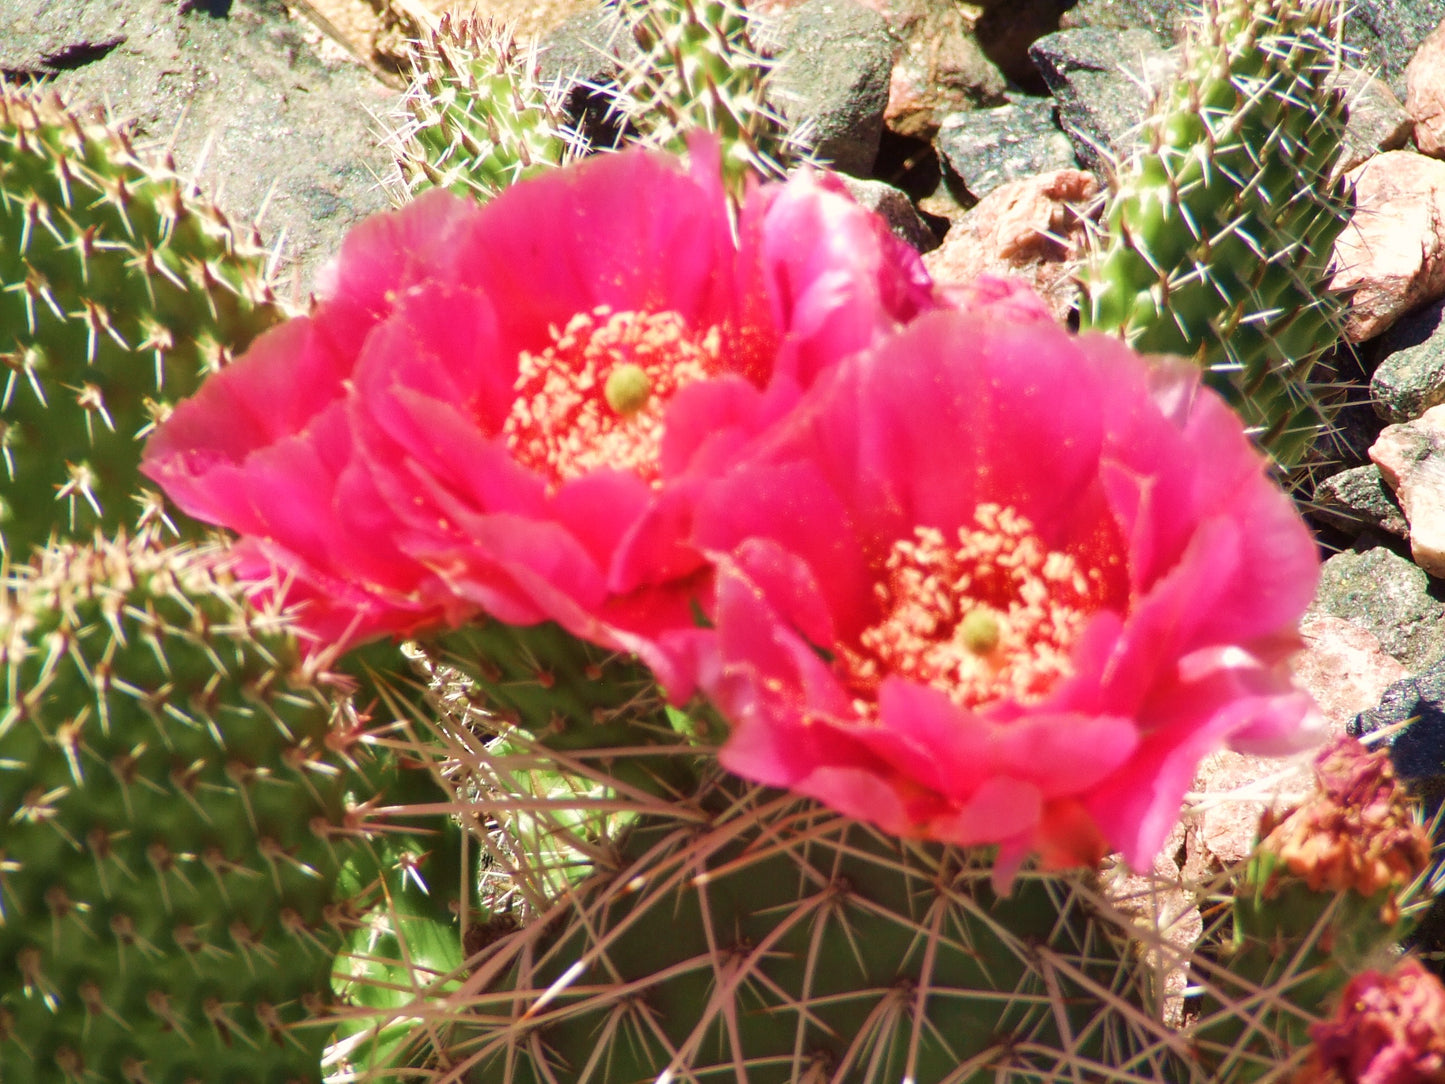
(476, 119)
(1218, 234)
(119, 289)
(701, 71)
(171, 786)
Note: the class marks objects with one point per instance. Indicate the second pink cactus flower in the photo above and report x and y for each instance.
(995, 583)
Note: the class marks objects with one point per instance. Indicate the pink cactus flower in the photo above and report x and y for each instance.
(995, 583)
(475, 415)
(1388, 1029)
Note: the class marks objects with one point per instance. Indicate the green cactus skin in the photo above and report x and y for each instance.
(412, 936)
(701, 71)
(756, 936)
(119, 289)
(171, 790)
(1218, 234)
(476, 120)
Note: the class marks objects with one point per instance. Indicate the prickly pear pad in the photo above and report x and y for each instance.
(174, 826)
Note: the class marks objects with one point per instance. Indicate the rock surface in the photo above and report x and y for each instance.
(1032, 228)
(897, 210)
(987, 147)
(238, 94)
(1410, 379)
(1425, 93)
(832, 80)
(1377, 120)
(1381, 592)
(1102, 81)
(940, 66)
(1411, 458)
(1358, 498)
(1391, 255)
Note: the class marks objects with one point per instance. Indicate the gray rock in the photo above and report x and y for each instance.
(1418, 751)
(986, 147)
(1101, 80)
(835, 58)
(1004, 31)
(40, 38)
(1377, 121)
(1165, 19)
(1387, 33)
(587, 48)
(1358, 498)
(240, 91)
(1411, 378)
(1383, 593)
(895, 208)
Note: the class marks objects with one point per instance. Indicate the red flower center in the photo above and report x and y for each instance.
(991, 616)
(594, 399)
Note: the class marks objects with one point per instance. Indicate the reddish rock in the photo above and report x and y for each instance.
(1343, 667)
(1032, 228)
(1391, 256)
(1232, 791)
(1347, 671)
(1411, 458)
(1425, 93)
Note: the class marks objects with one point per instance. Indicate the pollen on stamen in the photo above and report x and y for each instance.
(991, 615)
(595, 398)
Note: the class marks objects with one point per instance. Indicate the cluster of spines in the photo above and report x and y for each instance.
(172, 784)
(1218, 234)
(476, 118)
(120, 289)
(700, 70)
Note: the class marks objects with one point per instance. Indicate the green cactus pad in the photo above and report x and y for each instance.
(120, 288)
(702, 72)
(174, 826)
(756, 936)
(1218, 233)
(476, 120)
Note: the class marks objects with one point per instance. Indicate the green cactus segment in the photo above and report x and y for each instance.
(174, 827)
(119, 289)
(568, 696)
(1290, 956)
(775, 942)
(476, 120)
(410, 942)
(701, 71)
(564, 744)
(1218, 235)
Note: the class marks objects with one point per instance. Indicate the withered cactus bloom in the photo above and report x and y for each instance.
(1358, 832)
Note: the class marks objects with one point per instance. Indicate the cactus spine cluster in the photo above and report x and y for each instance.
(120, 288)
(171, 786)
(701, 70)
(1219, 232)
(476, 120)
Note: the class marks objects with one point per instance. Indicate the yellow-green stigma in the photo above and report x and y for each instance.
(979, 631)
(628, 388)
